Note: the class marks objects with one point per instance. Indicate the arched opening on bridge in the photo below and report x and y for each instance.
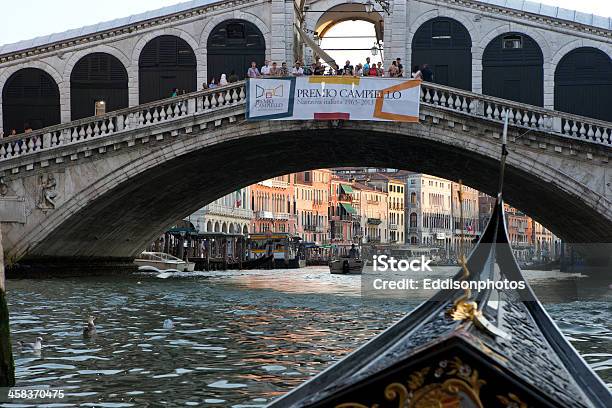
(98, 84)
(30, 98)
(583, 83)
(232, 46)
(446, 46)
(512, 68)
(166, 62)
(347, 32)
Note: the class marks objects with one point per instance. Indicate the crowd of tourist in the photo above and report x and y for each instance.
(372, 69)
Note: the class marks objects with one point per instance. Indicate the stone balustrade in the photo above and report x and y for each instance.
(141, 116)
(202, 102)
(521, 115)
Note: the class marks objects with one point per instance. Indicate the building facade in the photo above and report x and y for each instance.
(273, 205)
(395, 191)
(429, 212)
(311, 191)
(466, 222)
(372, 205)
(344, 222)
(230, 214)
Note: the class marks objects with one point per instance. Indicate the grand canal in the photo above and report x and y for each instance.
(240, 338)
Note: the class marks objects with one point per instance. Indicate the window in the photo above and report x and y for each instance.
(100, 108)
(235, 31)
(512, 42)
(441, 30)
(413, 220)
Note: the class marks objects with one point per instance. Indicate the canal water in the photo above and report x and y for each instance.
(240, 338)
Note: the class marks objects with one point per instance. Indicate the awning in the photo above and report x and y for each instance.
(315, 47)
(347, 189)
(349, 208)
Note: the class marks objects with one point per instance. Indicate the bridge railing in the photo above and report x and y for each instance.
(145, 115)
(522, 115)
(201, 102)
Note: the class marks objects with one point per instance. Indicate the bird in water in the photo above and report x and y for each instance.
(32, 347)
(90, 328)
(168, 324)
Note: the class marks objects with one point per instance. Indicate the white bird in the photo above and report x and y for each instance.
(168, 324)
(90, 328)
(33, 347)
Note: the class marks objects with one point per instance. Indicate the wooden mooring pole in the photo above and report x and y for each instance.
(7, 365)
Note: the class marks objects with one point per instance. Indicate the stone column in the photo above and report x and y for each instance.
(396, 35)
(281, 34)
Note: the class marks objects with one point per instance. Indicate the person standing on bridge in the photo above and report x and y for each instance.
(400, 68)
(297, 69)
(284, 71)
(274, 71)
(416, 73)
(366, 67)
(427, 73)
(393, 70)
(265, 70)
(253, 72)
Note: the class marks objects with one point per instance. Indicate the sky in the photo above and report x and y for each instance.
(25, 19)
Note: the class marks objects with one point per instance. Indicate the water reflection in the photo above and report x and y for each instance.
(239, 338)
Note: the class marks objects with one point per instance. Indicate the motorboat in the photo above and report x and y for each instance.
(162, 261)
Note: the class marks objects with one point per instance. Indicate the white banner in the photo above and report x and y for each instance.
(333, 97)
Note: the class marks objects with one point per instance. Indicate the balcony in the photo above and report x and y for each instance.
(310, 228)
(217, 209)
(264, 215)
(319, 228)
(338, 218)
(374, 221)
(413, 230)
(282, 216)
(373, 240)
(393, 227)
(279, 183)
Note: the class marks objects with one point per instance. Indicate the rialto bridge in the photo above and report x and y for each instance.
(100, 187)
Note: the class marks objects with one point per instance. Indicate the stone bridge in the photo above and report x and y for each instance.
(103, 187)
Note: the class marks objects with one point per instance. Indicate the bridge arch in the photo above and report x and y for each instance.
(428, 15)
(513, 68)
(566, 205)
(446, 45)
(108, 49)
(57, 78)
(30, 99)
(214, 22)
(583, 83)
(97, 79)
(134, 69)
(166, 62)
(231, 46)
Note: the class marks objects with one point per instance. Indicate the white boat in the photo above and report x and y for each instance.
(163, 261)
(346, 265)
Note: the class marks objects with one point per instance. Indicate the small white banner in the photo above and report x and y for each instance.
(333, 97)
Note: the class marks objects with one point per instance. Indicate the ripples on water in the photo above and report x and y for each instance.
(240, 338)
